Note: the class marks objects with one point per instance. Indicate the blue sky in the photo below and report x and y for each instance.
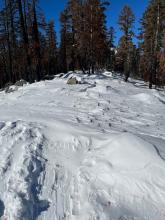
(52, 9)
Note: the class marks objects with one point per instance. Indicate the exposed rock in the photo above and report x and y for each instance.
(21, 82)
(61, 75)
(72, 81)
(11, 89)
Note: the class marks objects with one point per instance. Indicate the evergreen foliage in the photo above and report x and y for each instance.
(29, 49)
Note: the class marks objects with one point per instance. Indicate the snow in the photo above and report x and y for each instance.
(89, 151)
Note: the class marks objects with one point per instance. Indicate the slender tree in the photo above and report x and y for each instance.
(63, 44)
(126, 21)
(36, 42)
(24, 34)
(162, 65)
(51, 51)
(110, 54)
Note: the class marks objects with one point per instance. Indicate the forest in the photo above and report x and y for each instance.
(30, 49)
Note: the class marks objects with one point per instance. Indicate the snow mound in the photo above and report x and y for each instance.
(128, 152)
(126, 165)
(143, 97)
(107, 177)
(149, 98)
(108, 74)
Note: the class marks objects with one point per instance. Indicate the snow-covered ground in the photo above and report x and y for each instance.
(93, 151)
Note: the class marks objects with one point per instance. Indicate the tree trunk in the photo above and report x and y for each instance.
(36, 43)
(28, 75)
(10, 70)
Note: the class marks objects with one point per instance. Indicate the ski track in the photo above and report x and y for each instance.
(86, 152)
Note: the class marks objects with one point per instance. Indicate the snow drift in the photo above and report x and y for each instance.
(83, 152)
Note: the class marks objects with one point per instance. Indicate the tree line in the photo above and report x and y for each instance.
(29, 49)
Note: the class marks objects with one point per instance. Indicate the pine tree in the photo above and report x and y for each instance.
(95, 30)
(74, 21)
(162, 65)
(135, 60)
(3, 48)
(110, 54)
(126, 21)
(83, 35)
(20, 41)
(51, 51)
(25, 39)
(8, 34)
(152, 32)
(63, 45)
(36, 42)
(70, 33)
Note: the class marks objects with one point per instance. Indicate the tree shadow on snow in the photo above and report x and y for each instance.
(2, 208)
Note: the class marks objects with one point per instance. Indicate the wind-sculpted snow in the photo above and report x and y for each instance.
(20, 171)
(91, 151)
(104, 178)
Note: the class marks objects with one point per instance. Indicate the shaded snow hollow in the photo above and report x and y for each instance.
(92, 151)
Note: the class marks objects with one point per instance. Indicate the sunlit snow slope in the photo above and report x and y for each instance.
(94, 151)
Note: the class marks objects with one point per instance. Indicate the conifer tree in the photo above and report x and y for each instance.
(162, 65)
(152, 32)
(83, 35)
(51, 52)
(36, 42)
(96, 33)
(63, 44)
(74, 21)
(126, 21)
(20, 37)
(110, 54)
(25, 40)
(8, 39)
